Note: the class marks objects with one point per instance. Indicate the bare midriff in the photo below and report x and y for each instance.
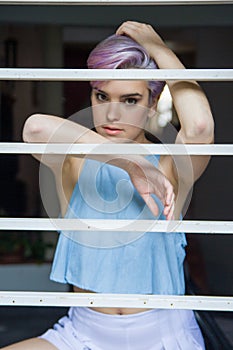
(111, 310)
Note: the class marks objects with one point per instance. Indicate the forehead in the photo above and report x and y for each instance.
(123, 87)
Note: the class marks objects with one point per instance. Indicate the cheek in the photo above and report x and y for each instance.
(97, 120)
(139, 119)
(99, 115)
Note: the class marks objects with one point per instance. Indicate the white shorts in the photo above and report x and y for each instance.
(85, 329)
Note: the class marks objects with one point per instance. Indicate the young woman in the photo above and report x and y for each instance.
(150, 263)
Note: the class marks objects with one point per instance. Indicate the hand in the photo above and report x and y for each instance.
(148, 180)
(143, 34)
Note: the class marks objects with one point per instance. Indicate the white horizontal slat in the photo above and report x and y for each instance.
(116, 300)
(188, 226)
(110, 74)
(143, 149)
(115, 2)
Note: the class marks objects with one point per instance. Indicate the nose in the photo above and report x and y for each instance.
(113, 111)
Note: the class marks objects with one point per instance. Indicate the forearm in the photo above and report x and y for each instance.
(41, 128)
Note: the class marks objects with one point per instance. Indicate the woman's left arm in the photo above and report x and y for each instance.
(190, 102)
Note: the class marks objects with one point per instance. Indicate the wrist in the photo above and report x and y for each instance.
(125, 163)
(166, 58)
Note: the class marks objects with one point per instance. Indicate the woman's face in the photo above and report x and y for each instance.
(121, 110)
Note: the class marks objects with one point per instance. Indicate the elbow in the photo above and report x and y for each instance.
(205, 132)
(32, 128)
(202, 132)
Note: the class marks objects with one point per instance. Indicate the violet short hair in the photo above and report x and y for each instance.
(121, 52)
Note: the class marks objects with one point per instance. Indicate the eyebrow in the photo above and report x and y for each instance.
(122, 96)
(131, 95)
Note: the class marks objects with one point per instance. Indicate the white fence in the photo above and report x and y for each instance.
(203, 227)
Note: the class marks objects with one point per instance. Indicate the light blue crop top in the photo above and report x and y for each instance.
(117, 262)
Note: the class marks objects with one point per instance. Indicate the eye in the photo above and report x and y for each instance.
(101, 97)
(131, 101)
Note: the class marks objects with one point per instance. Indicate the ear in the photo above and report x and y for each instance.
(153, 108)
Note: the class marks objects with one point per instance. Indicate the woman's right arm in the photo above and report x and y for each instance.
(43, 128)
(145, 177)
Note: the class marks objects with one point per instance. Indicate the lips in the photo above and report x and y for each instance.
(110, 130)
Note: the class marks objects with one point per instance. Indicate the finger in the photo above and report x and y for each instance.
(129, 23)
(166, 196)
(170, 213)
(128, 27)
(171, 203)
(169, 208)
(151, 204)
(170, 196)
